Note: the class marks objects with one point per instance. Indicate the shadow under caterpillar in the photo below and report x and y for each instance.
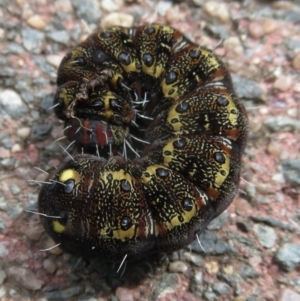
(170, 132)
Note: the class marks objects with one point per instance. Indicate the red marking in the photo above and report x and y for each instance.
(102, 134)
(85, 134)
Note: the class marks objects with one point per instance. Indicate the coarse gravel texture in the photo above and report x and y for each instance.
(252, 251)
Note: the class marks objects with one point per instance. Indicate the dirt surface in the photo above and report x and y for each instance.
(252, 251)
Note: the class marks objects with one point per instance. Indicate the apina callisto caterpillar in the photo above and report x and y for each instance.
(170, 132)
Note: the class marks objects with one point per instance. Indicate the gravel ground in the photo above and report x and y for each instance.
(252, 251)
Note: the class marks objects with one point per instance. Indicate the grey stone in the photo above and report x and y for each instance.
(251, 299)
(287, 294)
(32, 202)
(60, 36)
(2, 226)
(14, 210)
(210, 296)
(3, 203)
(165, 282)
(265, 235)
(291, 171)
(244, 242)
(280, 123)
(221, 288)
(64, 294)
(178, 267)
(210, 245)
(274, 222)
(87, 10)
(244, 226)
(288, 256)
(3, 250)
(27, 96)
(47, 101)
(46, 68)
(12, 104)
(40, 131)
(25, 277)
(219, 221)
(33, 39)
(247, 271)
(8, 163)
(199, 2)
(13, 48)
(217, 31)
(292, 44)
(2, 291)
(7, 72)
(194, 258)
(230, 279)
(6, 142)
(245, 88)
(292, 16)
(86, 298)
(15, 189)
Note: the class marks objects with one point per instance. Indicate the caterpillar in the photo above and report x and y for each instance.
(169, 131)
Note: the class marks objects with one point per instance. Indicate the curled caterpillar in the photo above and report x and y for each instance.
(170, 131)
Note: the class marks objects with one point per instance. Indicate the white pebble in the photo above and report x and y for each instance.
(24, 133)
(178, 267)
(16, 148)
(109, 5)
(217, 10)
(117, 19)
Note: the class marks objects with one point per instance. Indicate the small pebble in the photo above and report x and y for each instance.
(178, 267)
(278, 178)
(125, 294)
(279, 123)
(218, 222)
(283, 4)
(162, 7)
(54, 59)
(194, 258)
(211, 267)
(221, 288)
(109, 5)
(24, 133)
(217, 10)
(2, 34)
(173, 14)
(36, 21)
(88, 10)
(274, 148)
(49, 265)
(270, 26)
(65, 294)
(26, 278)
(60, 36)
(118, 19)
(296, 62)
(34, 231)
(265, 235)
(287, 294)
(234, 45)
(16, 148)
(288, 256)
(2, 277)
(256, 30)
(63, 6)
(4, 153)
(283, 83)
(11, 102)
